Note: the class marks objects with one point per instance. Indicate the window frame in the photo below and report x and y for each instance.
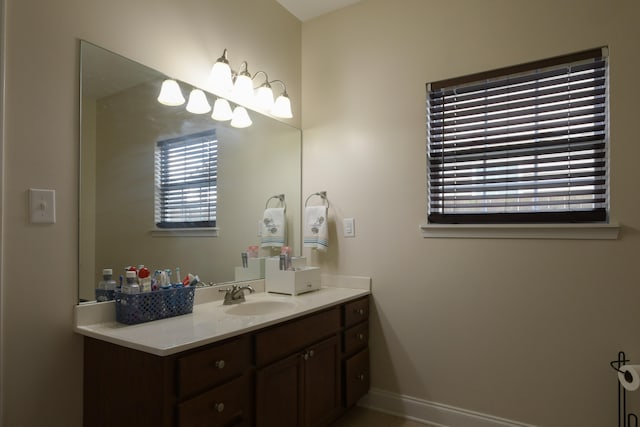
(537, 220)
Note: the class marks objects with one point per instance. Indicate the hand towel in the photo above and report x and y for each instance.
(273, 228)
(316, 230)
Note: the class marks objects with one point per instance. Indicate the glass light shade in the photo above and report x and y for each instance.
(282, 107)
(264, 97)
(170, 93)
(243, 89)
(241, 118)
(222, 110)
(220, 79)
(198, 103)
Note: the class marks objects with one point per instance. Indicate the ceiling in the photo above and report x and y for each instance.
(305, 10)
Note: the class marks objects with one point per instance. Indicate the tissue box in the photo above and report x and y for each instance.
(254, 270)
(290, 282)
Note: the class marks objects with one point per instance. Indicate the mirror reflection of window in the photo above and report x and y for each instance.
(186, 181)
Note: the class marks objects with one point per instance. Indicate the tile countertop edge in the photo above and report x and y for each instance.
(177, 334)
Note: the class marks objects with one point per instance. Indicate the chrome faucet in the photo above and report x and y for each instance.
(235, 294)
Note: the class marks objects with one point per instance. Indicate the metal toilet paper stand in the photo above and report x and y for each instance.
(624, 419)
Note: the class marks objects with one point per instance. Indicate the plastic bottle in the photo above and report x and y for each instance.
(144, 275)
(106, 284)
(131, 285)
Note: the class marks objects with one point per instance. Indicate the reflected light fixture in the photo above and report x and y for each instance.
(170, 93)
(222, 110)
(221, 80)
(241, 118)
(198, 103)
(282, 105)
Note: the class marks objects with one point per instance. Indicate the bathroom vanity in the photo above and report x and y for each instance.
(302, 365)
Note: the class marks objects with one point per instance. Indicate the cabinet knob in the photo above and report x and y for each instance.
(219, 406)
(361, 377)
(305, 356)
(311, 353)
(220, 364)
(359, 311)
(360, 336)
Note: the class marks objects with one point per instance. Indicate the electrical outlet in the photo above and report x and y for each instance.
(42, 206)
(349, 227)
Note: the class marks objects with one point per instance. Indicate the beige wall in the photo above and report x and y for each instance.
(42, 371)
(520, 329)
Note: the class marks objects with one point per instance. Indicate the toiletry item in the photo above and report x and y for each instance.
(131, 286)
(106, 284)
(178, 280)
(144, 277)
(286, 252)
(283, 262)
(252, 251)
(245, 259)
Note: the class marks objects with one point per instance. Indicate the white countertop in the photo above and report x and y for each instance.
(210, 321)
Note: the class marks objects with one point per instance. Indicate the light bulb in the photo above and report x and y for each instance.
(198, 103)
(241, 118)
(243, 88)
(282, 107)
(222, 110)
(170, 93)
(264, 97)
(220, 79)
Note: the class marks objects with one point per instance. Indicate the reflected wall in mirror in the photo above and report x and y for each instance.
(121, 123)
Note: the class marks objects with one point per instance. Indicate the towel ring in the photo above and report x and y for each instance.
(279, 197)
(321, 194)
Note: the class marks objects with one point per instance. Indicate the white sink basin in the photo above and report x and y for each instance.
(260, 307)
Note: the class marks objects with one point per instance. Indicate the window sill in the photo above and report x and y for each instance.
(184, 232)
(522, 231)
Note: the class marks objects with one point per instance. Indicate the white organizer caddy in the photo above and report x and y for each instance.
(291, 282)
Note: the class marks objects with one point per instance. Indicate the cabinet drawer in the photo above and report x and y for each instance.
(286, 339)
(356, 311)
(206, 368)
(217, 407)
(356, 338)
(356, 377)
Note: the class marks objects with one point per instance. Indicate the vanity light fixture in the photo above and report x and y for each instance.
(222, 110)
(198, 103)
(264, 94)
(282, 105)
(241, 118)
(243, 85)
(170, 93)
(221, 79)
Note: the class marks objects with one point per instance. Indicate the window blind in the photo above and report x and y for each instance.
(523, 144)
(186, 181)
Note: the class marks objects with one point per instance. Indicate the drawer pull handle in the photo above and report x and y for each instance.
(361, 377)
(360, 336)
(218, 406)
(311, 353)
(359, 311)
(220, 365)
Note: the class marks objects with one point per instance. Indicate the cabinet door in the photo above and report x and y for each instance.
(278, 397)
(322, 382)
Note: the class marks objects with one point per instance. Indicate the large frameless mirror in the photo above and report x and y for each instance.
(123, 127)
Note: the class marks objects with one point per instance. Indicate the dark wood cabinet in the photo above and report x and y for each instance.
(309, 376)
(304, 372)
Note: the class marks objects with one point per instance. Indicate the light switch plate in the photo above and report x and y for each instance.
(42, 206)
(349, 227)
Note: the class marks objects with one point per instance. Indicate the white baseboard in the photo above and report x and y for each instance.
(432, 413)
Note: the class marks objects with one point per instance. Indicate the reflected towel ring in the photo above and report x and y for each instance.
(321, 194)
(279, 197)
